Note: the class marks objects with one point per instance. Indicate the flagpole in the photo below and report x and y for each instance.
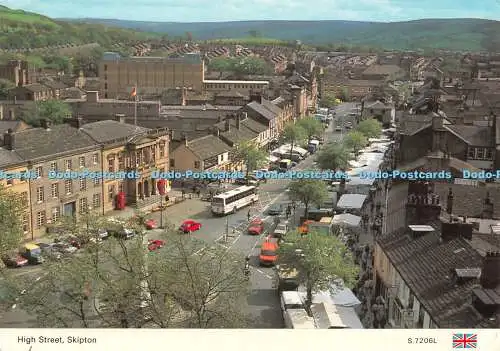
(135, 106)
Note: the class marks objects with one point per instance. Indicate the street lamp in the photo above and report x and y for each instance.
(160, 185)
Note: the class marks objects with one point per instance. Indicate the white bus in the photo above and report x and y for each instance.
(231, 201)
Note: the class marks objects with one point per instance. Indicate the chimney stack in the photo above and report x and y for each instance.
(487, 207)
(184, 137)
(490, 276)
(45, 123)
(92, 96)
(217, 132)
(238, 121)
(171, 134)
(449, 202)
(120, 117)
(76, 122)
(256, 96)
(227, 125)
(9, 139)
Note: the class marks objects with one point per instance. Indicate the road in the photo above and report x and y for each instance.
(263, 301)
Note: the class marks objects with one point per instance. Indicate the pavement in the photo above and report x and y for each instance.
(263, 300)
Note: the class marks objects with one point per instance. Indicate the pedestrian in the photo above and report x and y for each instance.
(249, 215)
(183, 193)
(198, 192)
(194, 189)
(167, 199)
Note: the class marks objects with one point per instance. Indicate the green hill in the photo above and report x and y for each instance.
(447, 34)
(21, 29)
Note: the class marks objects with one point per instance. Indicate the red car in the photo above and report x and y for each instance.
(15, 261)
(150, 224)
(154, 245)
(189, 226)
(256, 227)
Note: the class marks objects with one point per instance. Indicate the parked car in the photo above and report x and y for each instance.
(125, 233)
(32, 252)
(275, 210)
(64, 248)
(15, 261)
(338, 128)
(189, 226)
(256, 227)
(49, 251)
(150, 224)
(156, 244)
(102, 233)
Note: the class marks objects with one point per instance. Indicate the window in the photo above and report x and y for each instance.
(26, 225)
(68, 164)
(96, 200)
(84, 206)
(489, 154)
(480, 153)
(111, 164)
(83, 184)
(95, 158)
(54, 190)
(96, 182)
(111, 192)
(41, 219)
(471, 153)
(105, 85)
(10, 182)
(121, 161)
(56, 214)
(24, 198)
(197, 164)
(105, 68)
(68, 186)
(162, 149)
(53, 166)
(172, 162)
(39, 194)
(81, 161)
(39, 172)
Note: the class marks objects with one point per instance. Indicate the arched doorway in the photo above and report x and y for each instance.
(147, 192)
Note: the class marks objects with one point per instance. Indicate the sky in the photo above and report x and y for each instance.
(239, 10)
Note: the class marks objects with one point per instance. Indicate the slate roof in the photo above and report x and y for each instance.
(235, 135)
(468, 200)
(262, 110)
(425, 265)
(108, 130)
(207, 146)
(36, 87)
(382, 69)
(8, 157)
(474, 135)
(6, 125)
(55, 84)
(35, 143)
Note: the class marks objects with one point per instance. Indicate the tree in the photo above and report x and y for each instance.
(252, 156)
(308, 191)
(355, 141)
(53, 110)
(293, 134)
(370, 128)
(311, 126)
(333, 157)
(320, 260)
(12, 207)
(328, 100)
(5, 86)
(343, 94)
(121, 284)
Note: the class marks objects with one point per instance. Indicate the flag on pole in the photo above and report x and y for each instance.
(134, 92)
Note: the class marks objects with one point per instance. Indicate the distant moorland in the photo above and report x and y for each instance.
(447, 34)
(21, 29)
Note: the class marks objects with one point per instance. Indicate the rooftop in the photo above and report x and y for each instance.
(425, 264)
(382, 69)
(8, 158)
(207, 146)
(108, 130)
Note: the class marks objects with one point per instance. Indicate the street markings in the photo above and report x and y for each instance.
(264, 274)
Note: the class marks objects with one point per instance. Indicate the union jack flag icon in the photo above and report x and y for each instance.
(464, 341)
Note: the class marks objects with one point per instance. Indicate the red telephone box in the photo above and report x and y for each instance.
(120, 201)
(160, 185)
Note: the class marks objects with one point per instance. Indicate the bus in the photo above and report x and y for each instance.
(231, 201)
